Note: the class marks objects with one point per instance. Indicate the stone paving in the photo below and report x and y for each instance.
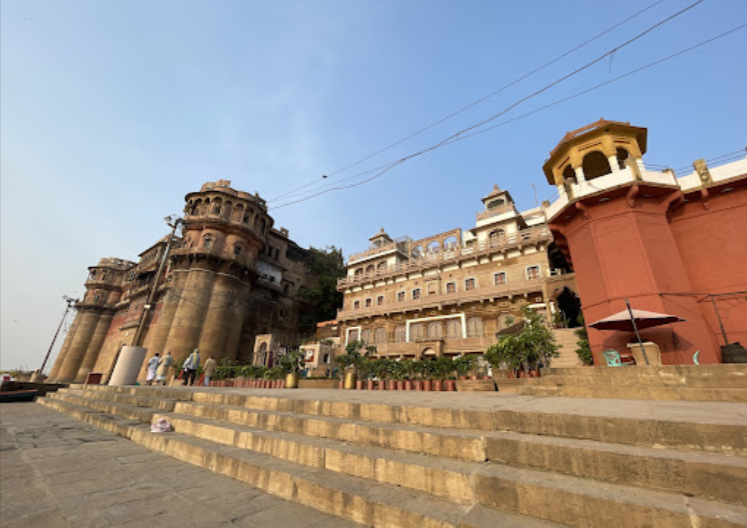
(59, 472)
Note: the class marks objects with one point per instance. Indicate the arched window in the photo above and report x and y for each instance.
(595, 165)
(380, 336)
(207, 241)
(400, 334)
(417, 332)
(622, 156)
(381, 268)
(434, 247)
(238, 213)
(237, 250)
(217, 206)
(569, 175)
(359, 272)
(326, 359)
(474, 327)
(451, 243)
(366, 336)
(453, 329)
(435, 330)
(494, 204)
(263, 226)
(496, 237)
(370, 269)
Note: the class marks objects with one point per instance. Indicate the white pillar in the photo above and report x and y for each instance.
(612, 160)
(579, 174)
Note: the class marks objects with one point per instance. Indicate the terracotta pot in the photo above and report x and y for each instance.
(451, 385)
(408, 385)
(534, 373)
(427, 385)
(438, 385)
(359, 385)
(370, 385)
(381, 384)
(342, 384)
(463, 377)
(418, 385)
(391, 385)
(475, 377)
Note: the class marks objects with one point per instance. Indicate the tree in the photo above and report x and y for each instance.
(535, 344)
(584, 350)
(328, 266)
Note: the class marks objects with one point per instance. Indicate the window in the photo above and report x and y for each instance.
(533, 272)
(416, 294)
(207, 242)
(370, 269)
(368, 302)
(92, 275)
(96, 297)
(379, 300)
(416, 332)
(326, 359)
(380, 336)
(435, 330)
(474, 327)
(469, 284)
(499, 278)
(237, 250)
(451, 287)
(245, 219)
(497, 237)
(356, 305)
(366, 335)
(400, 296)
(103, 275)
(432, 288)
(381, 268)
(400, 334)
(453, 329)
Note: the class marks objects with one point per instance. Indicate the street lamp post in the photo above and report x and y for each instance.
(70, 303)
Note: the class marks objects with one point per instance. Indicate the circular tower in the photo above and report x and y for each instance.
(211, 272)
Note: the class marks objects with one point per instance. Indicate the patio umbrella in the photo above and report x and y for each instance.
(630, 320)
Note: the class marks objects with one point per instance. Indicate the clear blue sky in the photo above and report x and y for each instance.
(112, 111)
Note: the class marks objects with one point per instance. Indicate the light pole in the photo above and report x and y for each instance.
(70, 303)
(174, 222)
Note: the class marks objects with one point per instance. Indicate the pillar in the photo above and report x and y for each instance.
(236, 326)
(92, 354)
(184, 334)
(220, 315)
(78, 348)
(64, 350)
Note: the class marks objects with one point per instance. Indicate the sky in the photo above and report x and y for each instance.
(110, 112)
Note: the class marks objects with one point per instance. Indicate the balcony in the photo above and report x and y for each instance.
(497, 211)
(522, 238)
(435, 301)
(400, 244)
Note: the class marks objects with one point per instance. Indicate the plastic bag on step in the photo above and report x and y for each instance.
(161, 426)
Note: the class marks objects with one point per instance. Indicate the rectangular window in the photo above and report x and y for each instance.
(416, 294)
(379, 300)
(499, 278)
(469, 284)
(356, 305)
(432, 288)
(533, 272)
(400, 296)
(368, 303)
(451, 287)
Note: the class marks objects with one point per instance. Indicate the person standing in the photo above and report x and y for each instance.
(152, 366)
(163, 368)
(190, 367)
(208, 370)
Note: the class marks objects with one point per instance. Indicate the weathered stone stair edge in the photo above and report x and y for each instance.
(725, 395)
(724, 438)
(716, 476)
(539, 496)
(348, 497)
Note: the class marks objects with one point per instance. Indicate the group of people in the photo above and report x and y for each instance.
(158, 368)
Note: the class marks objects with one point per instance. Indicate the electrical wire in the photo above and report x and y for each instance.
(393, 164)
(472, 104)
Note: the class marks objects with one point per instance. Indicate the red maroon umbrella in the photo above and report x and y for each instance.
(643, 319)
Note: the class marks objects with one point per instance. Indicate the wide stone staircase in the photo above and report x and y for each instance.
(726, 383)
(434, 465)
(567, 342)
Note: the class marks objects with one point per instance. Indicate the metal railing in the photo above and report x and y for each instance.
(429, 260)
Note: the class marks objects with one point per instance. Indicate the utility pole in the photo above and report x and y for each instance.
(70, 303)
(174, 222)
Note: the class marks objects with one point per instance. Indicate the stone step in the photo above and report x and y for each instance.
(349, 497)
(562, 499)
(639, 377)
(637, 393)
(133, 412)
(400, 426)
(130, 399)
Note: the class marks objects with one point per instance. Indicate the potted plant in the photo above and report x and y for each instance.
(382, 369)
(464, 364)
(442, 367)
(291, 364)
(584, 349)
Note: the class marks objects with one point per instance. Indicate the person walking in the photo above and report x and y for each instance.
(152, 366)
(163, 368)
(190, 367)
(208, 370)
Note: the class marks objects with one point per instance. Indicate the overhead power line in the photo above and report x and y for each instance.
(456, 137)
(495, 92)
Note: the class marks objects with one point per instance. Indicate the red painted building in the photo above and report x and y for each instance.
(670, 245)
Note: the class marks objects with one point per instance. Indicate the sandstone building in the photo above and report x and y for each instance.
(230, 277)
(453, 292)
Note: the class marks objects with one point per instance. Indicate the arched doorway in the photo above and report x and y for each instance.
(569, 306)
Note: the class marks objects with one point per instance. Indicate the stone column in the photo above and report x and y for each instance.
(186, 327)
(220, 315)
(170, 304)
(78, 348)
(612, 160)
(65, 347)
(92, 354)
(236, 325)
